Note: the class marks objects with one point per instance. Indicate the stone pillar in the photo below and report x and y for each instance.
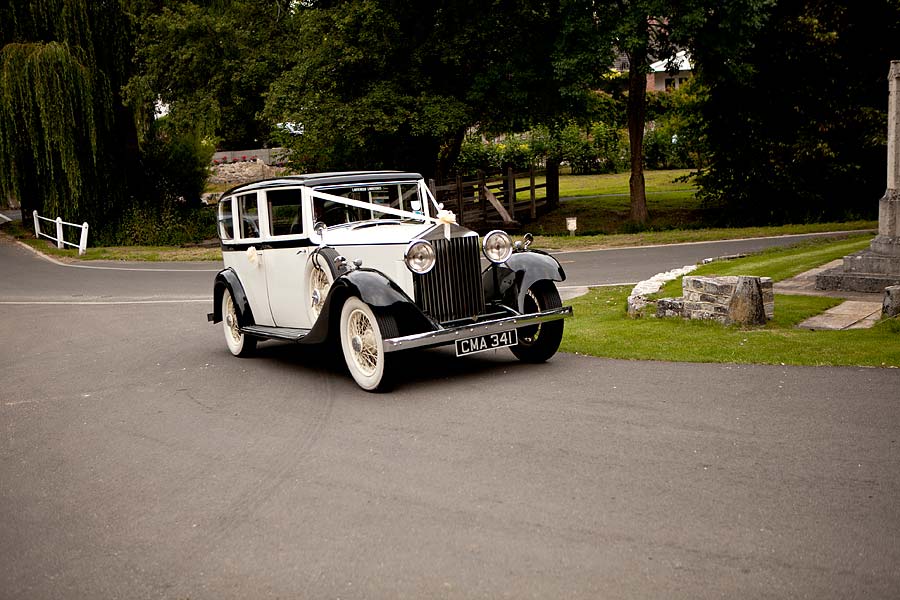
(878, 267)
(887, 242)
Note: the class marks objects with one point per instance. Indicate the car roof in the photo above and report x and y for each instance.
(320, 179)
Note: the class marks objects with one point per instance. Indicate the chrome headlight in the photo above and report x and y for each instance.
(497, 246)
(419, 256)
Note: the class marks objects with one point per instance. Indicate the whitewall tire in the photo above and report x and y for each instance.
(362, 343)
(238, 343)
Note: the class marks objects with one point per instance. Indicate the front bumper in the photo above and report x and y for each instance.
(448, 336)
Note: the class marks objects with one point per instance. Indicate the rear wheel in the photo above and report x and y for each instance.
(539, 342)
(238, 343)
(362, 342)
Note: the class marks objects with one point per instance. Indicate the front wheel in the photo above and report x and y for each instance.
(362, 342)
(238, 343)
(537, 343)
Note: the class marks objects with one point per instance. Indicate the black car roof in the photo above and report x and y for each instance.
(319, 179)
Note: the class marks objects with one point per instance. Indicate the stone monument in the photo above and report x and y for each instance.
(878, 267)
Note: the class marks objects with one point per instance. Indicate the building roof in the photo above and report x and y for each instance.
(682, 61)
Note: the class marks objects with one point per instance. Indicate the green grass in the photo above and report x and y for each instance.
(601, 328)
(779, 263)
(678, 236)
(571, 186)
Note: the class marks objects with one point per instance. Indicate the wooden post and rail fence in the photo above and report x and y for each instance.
(490, 202)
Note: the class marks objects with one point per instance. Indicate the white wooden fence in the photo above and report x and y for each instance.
(60, 238)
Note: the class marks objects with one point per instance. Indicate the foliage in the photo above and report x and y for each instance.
(177, 163)
(672, 139)
(398, 83)
(66, 142)
(600, 149)
(168, 223)
(236, 48)
(793, 109)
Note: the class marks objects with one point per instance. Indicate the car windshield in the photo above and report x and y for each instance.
(398, 195)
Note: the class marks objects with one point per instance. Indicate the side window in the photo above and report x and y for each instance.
(226, 222)
(285, 212)
(249, 212)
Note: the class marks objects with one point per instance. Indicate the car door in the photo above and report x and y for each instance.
(286, 256)
(245, 255)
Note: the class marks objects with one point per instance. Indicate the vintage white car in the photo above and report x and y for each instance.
(371, 260)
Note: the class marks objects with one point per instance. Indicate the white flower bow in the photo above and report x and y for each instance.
(252, 256)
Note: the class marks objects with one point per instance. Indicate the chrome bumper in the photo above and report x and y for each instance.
(448, 336)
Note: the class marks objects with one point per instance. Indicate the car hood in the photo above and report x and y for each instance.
(388, 232)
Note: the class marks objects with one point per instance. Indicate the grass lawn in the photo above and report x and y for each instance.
(602, 328)
(679, 236)
(779, 263)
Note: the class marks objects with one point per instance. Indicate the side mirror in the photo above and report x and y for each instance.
(319, 227)
(529, 239)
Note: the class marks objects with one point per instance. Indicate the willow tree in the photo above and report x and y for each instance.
(65, 138)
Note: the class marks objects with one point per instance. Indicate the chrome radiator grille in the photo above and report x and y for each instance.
(452, 289)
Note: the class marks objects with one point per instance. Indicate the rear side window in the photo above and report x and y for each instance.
(285, 212)
(226, 222)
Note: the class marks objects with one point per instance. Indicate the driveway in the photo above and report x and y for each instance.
(139, 459)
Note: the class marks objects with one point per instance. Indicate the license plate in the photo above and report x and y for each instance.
(486, 342)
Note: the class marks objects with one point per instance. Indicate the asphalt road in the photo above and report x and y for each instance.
(138, 459)
(630, 265)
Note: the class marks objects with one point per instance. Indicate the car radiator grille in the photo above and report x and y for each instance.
(452, 289)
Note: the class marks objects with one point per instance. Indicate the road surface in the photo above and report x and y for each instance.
(138, 459)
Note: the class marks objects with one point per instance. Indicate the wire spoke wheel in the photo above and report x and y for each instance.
(362, 343)
(238, 343)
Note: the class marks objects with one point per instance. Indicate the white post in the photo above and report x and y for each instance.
(59, 233)
(37, 225)
(82, 245)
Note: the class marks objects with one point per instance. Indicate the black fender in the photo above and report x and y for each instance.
(378, 291)
(227, 279)
(509, 282)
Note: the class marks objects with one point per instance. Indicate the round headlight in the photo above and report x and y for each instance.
(419, 256)
(497, 246)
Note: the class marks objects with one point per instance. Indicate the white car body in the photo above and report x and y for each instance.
(297, 250)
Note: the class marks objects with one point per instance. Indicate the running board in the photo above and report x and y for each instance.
(278, 333)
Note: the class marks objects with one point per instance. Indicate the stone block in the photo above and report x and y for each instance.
(891, 305)
(635, 305)
(746, 306)
(867, 261)
(669, 307)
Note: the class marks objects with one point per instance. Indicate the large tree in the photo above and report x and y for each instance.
(794, 115)
(67, 142)
(397, 83)
(211, 62)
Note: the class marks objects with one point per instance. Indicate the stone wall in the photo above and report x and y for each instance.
(715, 298)
(243, 172)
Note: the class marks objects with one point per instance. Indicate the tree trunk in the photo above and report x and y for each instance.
(552, 182)
(448, 154)
(637, 110)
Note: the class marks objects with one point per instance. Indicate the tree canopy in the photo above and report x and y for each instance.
(397, 83)
(211, 63)
(794, 113)
(65, 137)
